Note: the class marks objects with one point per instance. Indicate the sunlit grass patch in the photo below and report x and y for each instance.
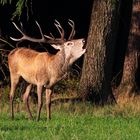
(67, 126)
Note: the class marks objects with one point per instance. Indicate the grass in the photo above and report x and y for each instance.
(71, 128)
(74, 121)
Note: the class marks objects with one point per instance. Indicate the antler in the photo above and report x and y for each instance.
(45, 38)
(26, 37)
(72, 34)
(60, 29)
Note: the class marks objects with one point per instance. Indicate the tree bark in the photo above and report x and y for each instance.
(95, 83)
(128, 82)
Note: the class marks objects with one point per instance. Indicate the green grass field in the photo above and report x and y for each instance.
(77, 121)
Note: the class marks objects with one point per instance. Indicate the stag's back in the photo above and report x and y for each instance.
(21, 58)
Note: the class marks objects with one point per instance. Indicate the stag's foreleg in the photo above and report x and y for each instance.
(14, 82)
(40, 102)
(26, 100)
(48, 102)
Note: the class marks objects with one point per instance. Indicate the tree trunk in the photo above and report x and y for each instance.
(128, 82)
(95, 83)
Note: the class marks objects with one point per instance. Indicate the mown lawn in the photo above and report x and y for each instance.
(73, 123)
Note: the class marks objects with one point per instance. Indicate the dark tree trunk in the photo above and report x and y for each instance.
(95, 83)
(128, 82)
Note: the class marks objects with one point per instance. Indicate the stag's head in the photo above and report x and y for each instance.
(73, 48)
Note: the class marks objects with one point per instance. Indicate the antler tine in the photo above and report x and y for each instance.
(60, 29)
(50, 37)
(43, 36)
(17, 28)
(14, 39)
(72, 24)
(40, 29)
(21, 25)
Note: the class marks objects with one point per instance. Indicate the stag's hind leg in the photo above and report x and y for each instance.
(14, 82)
(26, 99)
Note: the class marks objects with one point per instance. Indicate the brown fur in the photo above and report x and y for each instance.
(41, 69)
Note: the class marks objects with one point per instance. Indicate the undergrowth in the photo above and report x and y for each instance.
(125, 107)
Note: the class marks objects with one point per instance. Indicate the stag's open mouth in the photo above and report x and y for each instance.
(84, 44)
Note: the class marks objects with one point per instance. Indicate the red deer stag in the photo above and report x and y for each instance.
(41, 68)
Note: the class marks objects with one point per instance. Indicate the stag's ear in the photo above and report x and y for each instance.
(57, 47)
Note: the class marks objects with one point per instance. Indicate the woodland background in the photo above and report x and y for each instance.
(109, 69)
(99, 99)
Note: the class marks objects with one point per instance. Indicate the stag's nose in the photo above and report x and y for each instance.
(83, 41)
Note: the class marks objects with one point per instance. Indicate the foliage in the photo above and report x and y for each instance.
(4, 51)
(20, 6)
(3, 2)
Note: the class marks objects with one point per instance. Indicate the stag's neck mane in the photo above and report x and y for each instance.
(61, 63)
